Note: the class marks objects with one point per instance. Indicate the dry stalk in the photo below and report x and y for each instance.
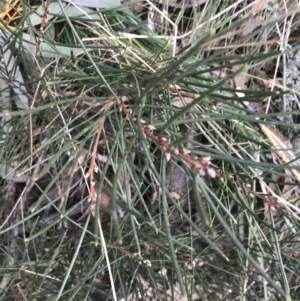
(44, 22)
(94, 168)
(200, 165)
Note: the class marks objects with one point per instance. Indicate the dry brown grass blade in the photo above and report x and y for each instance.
(282, 146)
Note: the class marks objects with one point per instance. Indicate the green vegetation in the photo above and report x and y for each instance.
(152, 162)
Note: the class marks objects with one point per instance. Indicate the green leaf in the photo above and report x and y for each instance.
(36, 17)
(98, 3)
(11, 72)
(55, 9)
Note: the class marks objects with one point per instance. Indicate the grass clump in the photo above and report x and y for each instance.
(153, 163)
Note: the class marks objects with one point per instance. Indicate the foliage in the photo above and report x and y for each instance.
(153, 164)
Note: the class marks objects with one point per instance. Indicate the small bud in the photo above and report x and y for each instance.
(186, 151)
(163, 272)
(168, 156)
(205, 160)
(175, 151)
(211, 172)
(150, 127)
(188, 266)
(201, 172)
(162, 139)
(199, 263)
(147, 263)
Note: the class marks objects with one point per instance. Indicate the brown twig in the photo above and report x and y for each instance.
(200, 165)
(44, 22)
(93, 166)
